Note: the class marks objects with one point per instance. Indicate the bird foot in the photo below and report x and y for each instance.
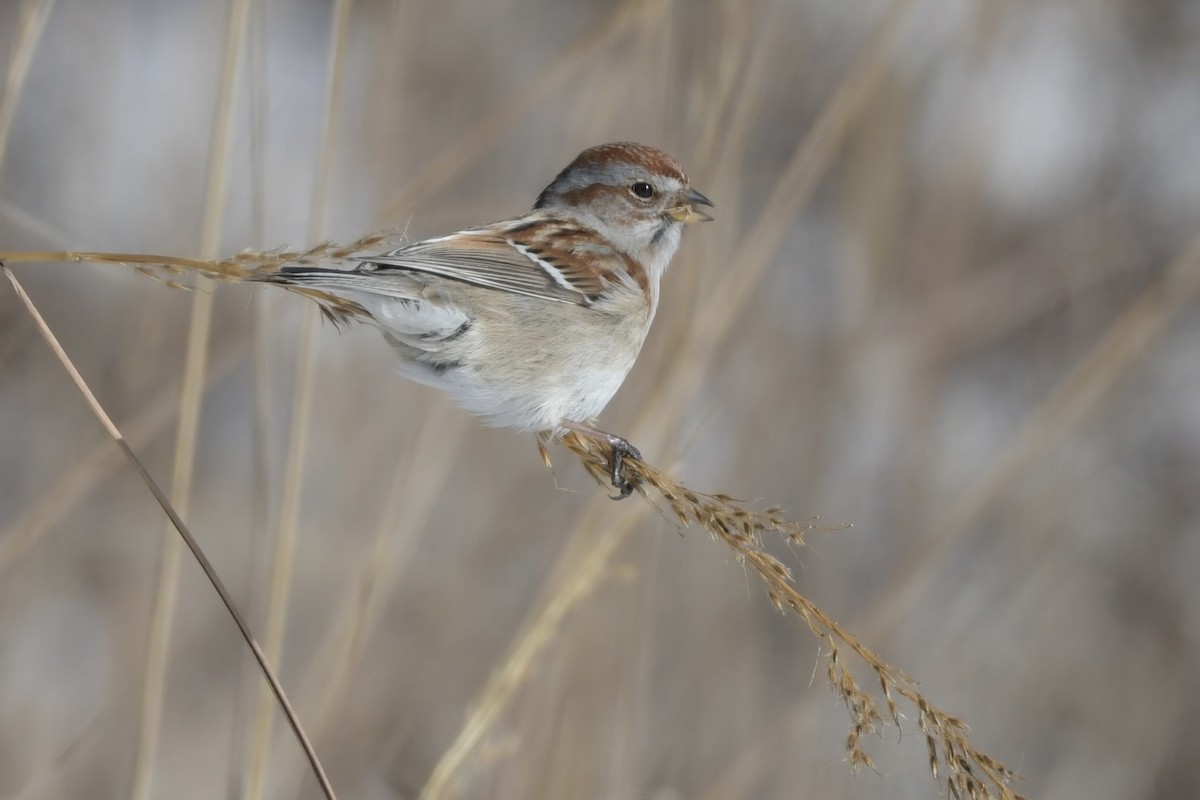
(621, 449)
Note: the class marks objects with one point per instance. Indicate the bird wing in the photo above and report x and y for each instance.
(558, 262)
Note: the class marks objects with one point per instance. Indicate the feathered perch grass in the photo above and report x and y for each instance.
(175, 271)
(966, 771)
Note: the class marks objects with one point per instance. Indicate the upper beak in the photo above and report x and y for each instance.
(687, 212)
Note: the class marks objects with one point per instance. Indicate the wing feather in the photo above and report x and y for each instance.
(558, 262)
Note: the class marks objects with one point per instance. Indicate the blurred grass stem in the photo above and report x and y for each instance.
(195, 368)
(178, 525)
(282, 564)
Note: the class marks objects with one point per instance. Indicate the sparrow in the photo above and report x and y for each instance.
(530, 323)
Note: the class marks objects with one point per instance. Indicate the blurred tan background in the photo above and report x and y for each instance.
(949, 297)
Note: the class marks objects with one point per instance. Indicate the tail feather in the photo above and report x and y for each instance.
(392, 300)
(313, 283)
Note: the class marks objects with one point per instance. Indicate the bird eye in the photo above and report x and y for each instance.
(642, 190)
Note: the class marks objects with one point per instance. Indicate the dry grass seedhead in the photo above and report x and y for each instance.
(249, 265)
(967, 772)
(721, 514)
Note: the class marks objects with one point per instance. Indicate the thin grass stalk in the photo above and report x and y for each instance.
(583, 565)
(195, 364)
(96, 465)
(38, 227)
(733, 52)
(282, 560)
(726, 139)
(419, 475)
(720, 306)
(30, 25)
(180, 527)
(293, 480)
(584, 572)
(798, 180)
(1085, 386)
(468, 147)
(65, 494)
(261, 492)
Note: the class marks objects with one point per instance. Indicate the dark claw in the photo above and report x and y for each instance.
(620, 450)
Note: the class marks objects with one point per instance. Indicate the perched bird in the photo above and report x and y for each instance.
(531, 323)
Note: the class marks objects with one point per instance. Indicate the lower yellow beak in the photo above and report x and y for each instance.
(687, 212)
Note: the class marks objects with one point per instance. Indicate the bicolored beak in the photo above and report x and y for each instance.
(687, 212)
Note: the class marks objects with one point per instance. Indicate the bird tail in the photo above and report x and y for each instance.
(320, 286)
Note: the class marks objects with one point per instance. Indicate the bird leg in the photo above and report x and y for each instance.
(619, 448)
